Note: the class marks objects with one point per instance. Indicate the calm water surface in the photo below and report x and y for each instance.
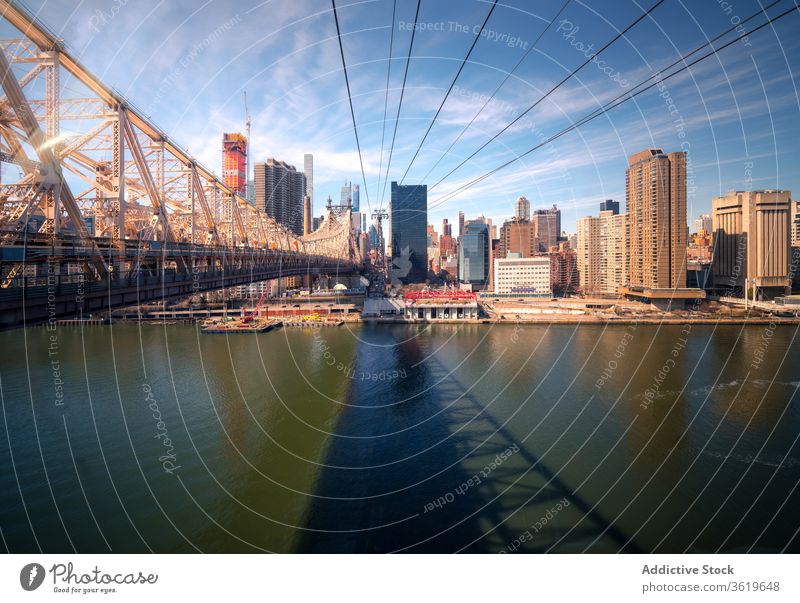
(400, 438)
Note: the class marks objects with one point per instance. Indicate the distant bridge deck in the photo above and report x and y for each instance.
(46, 296)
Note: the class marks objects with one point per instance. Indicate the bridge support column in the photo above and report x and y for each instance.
(118, 188)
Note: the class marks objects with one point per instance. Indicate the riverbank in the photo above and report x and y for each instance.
(544, 319)
(593, 320)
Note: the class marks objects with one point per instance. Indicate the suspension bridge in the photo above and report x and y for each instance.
(100, 208)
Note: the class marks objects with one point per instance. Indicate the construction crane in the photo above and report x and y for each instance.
(249, 150)
(249, 317)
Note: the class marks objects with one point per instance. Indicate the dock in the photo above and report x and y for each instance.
(235, 327)
(79, 322)
(313, 324)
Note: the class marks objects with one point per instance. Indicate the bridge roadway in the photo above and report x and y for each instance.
(51, 293)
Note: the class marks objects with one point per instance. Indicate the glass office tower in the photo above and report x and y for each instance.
(409, 222)
(473, 256)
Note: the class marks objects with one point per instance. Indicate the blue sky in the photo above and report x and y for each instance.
(186, 64)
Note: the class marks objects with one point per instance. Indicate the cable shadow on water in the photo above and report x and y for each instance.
(442, 472)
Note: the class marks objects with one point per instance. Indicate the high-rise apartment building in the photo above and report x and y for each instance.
(409, 223)
(603, 252)
(518, 236)
(613, 262)
(494, 254)
(656, 203)
(588, 251)
(474, 256)
(460, 223)
(702, 224)
(433, 237)
(522, 209)
(447, 245)
(280, 189)
(572, 240)
(752, 238)
(564, 273)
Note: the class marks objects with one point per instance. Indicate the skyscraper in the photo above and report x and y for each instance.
(280, 189)
(374, 240)
(522, 209)
(346, 194)
(656, 202)
(234, 162)
(251, 191)
(588, 250)
(752, 240)
(473, 255)
(547, 227)
(447, 245)
(409, 223)
(307, 215)
(460, 223)
(492, 229)
(447, 228)
(363, 244)
(518, 236)
(572, 240)
(494, 254)
(603, 252)
(355, 194)
(610, 205)
(308, 170)
(702, 223)
(796, 224)
(613, 239)
(433, 236)
(355, 221)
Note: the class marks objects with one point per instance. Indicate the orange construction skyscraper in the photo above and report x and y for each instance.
(234, 161)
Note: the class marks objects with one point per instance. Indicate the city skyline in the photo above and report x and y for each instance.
(737, 138)
(550, 333)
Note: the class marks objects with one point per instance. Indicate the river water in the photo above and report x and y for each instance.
(385, 438)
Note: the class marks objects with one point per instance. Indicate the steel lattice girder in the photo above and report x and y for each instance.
(157, 178)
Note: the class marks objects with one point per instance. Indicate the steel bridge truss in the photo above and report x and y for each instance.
(96, 173)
